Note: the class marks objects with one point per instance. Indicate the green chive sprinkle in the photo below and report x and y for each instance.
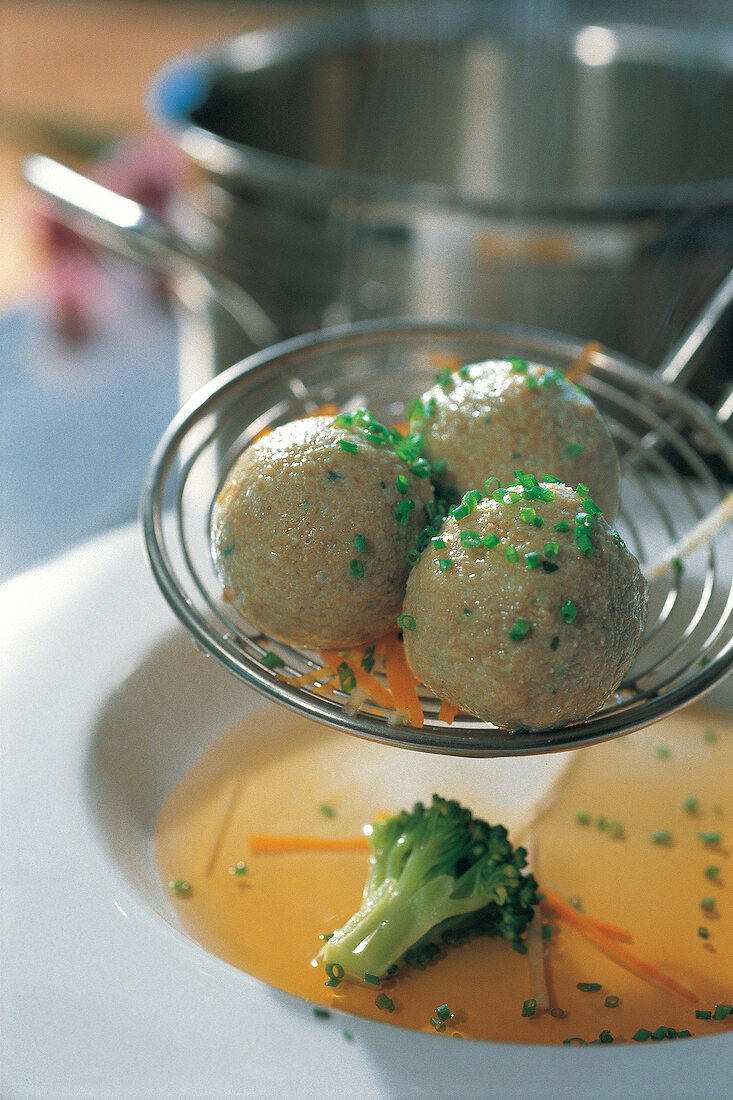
(722, 1012)
(710, 839)
(582, 817)
(238, 868)
(641, 1035)
(406, 622)
(346, 677)
(327, 810)
(527, 514)
(557, 1013)
(532, 559)
(334, 970)
(460, 511)
(372, 979)
(443, 1013)
(348, 1035)
(180, 886)
(349, 445)
(703, 1014)
(588, 987)
(438, 543)
(402, 484)
(547, 931)
(491, 485)
(562, 526)
(703, 932)
(321, 1013)
(519, 366)
(662, 836)
(529, 1007)
(511, 553)
(568, 611)
(445, 564)
(554, 642)
(412, 557)
(691, 805)
(356, 568)
(384, 1002)
(520, 629)
(470, 539)
(551, 549)
(707, 904)
(402, 511)
(491, 540)
(360, 543)
(367, 661)
(437, 1024)
(612, 1001)
(272, 660)
(712, 872)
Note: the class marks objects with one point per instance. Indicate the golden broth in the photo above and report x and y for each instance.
(269, 920)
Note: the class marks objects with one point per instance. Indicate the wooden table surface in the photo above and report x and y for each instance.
(80, 68)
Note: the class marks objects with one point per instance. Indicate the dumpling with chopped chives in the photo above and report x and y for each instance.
(313, 530)
(504, 415)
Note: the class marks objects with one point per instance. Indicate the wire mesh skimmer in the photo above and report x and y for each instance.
(677, 466)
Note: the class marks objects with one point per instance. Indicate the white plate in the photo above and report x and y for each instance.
(101, 995)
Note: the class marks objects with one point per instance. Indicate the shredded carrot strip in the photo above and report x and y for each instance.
(309, 677)
(439, 359)
(376, 690)
(582, 363)
(402, 682)
(260, 843)
(612, 949)
(447, 712)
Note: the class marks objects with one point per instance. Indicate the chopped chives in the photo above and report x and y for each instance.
(691, 805)
(444, 564)
(406, 622)
(662, 836)
(239, 868)
(641, 1035)
(710, 839)
(511, 553)
(568, 611)
(470, 538)
(402, 511)
(722, 1012)
(384, 1002)
(529, 1007)
(356, 568)
(367, 661)
(348, 445)
(180, 886)
(520, 630)
(443, 1013)
(557, 1013)
(334, 970)
(327, 810)
(272, 660)
(460, 511)
(554, 642)
(402, 484)
(346, 677)
(712, 872)
(612, 1001)
(583, 817)
(519, 366)
(360, 543)
(588, 987)
(532, 559)
(372, 979)
(707, 904)
(491, 540)
(321, 1013)
(551, 549)
(438, 543)
(703, 932)
(703, 1014)
(562, 526)
(527, 514)
(412, 557)
(488, 483)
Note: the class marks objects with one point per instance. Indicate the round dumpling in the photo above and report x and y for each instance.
(311, 531)
(527, 611)
(505, 415)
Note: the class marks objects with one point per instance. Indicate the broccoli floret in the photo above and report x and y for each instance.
(433, 870)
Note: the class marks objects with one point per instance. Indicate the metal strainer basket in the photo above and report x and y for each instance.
(677, 465)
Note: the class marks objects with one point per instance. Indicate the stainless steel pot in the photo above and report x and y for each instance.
(560, 164)
(568, 165)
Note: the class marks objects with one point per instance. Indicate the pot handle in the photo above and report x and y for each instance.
(681, 360)
(130, 229)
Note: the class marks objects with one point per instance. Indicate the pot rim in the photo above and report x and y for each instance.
(182, 85)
